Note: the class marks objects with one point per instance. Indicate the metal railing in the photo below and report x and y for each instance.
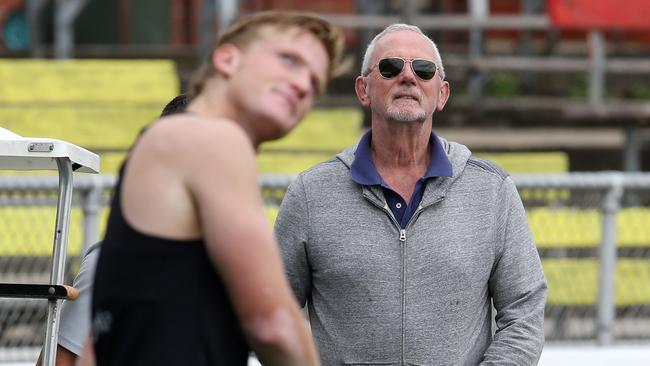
(590, 229)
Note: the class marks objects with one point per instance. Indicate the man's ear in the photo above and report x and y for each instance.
(226, 59)
(360, 88)
(444, 96)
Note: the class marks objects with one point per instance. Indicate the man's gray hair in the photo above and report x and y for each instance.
(365, 66)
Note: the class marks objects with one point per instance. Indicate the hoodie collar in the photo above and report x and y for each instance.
(364, 171)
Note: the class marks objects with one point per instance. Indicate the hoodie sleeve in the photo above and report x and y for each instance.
(291, 228)
(517, 285)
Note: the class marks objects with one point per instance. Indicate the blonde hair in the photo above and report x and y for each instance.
(244, 32)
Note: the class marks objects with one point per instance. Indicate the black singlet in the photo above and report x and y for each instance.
(160, 302)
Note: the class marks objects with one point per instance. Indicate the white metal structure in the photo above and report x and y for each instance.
(27, 153)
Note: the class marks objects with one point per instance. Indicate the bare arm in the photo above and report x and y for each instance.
(75, 315)
(87, 357)
(63, 357)
(241, 244)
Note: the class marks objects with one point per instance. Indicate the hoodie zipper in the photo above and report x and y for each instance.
(402, 239)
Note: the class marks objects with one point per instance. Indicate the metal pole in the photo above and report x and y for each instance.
(409, 11)
(607, 271)
(226, 12)
(206, 28)
(221, 11)
(478, 10)
(64, 205)
(368, 7)
(65, 15)
(92, 206)
(528, 8)
(597, 67)
(34, 9)
(525, 47)
(632, 162)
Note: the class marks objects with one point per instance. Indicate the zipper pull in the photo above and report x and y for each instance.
(402, 235)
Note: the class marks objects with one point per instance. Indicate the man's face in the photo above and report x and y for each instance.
(405, 97)
(278, 79)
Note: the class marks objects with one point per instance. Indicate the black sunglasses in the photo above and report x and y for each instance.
(390, 67)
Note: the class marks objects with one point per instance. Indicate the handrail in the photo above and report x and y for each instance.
(444, 22)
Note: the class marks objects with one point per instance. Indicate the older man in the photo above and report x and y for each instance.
(401, 244)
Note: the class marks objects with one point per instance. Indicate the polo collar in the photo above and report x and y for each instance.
(364, 171)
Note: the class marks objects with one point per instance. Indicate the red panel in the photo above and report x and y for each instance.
(610, 14)
(8, 6)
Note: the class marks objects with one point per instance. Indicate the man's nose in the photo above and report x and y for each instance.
(301, 82)
(407, 74)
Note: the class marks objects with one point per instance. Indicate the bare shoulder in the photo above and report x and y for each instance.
(177, 162)
(183, 139)
(192, 134)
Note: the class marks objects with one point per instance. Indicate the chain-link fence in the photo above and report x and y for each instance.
(591, 230)
(27, 222)
(593, 237)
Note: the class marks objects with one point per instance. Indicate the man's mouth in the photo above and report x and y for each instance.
(403, 96)
(291, 100)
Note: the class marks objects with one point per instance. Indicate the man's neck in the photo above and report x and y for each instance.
(214, 104)
(401, 146)
(402, 155)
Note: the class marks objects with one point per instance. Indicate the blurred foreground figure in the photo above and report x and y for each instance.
(401, 244)
(74, 322)
(190, 273)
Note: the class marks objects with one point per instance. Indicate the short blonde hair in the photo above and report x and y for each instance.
(245, 31)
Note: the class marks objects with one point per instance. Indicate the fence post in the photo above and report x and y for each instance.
(597, 52)
(65, 14)
(607, 271)
(92, 205)
(479, 11)
(409, 10)
(34, 13)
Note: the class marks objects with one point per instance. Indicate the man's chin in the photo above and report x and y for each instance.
(406, 117)
(279, 128)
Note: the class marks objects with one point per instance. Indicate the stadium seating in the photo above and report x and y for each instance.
(100, 105)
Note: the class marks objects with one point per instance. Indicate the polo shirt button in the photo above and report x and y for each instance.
(398, 205)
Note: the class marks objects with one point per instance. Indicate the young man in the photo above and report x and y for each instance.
(74, 322)
(189, 271)
(401, 244)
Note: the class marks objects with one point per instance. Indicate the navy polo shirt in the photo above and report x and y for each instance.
(364, 172)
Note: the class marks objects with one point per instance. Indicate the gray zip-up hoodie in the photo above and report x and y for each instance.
(379, 295)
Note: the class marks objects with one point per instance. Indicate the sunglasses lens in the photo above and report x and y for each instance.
(390, 67)
(424, 69)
